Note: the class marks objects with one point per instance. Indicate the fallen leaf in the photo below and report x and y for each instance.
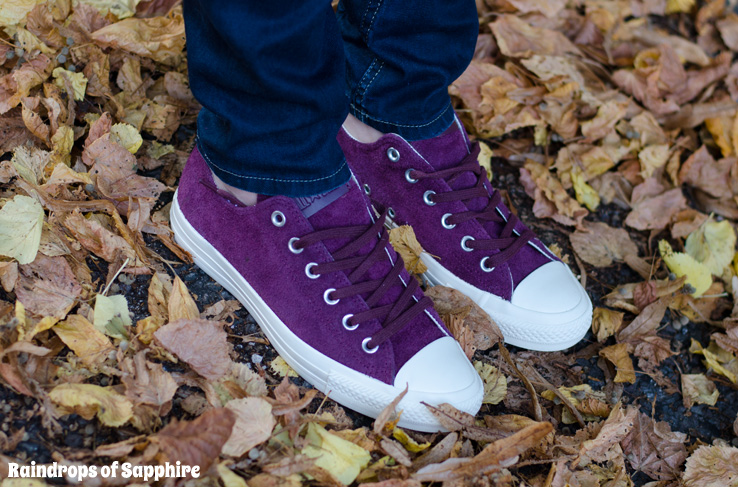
(200, 343)
(712, 466)
(409, 443)
(405, 243)
(92, 235)
(48, 287)
(591, 403)
(89, 400)
(495, 382)
(656, 212)
(111, 316)
(282, 368)
(551, 200)
(341, 458)
(717, 359)
(606, 323)
(698, 389)
(601, 244)
(15, 11)
(585, 194)
(608, 114)
(698, 274)
(196, 442)
(91, 346)
(619, 356)
(126, 135)
(8, 275)
(77, 81)
(713, 245)
(21, 222)
(517, 38)
(229, 478)
(253, 426)
(652, 448)
(181, 305)
(147, 382)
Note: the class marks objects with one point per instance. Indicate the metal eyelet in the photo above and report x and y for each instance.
(367, 349)
(464, 241)
(327, 298)
(367, 189)
(444, 222)
(346, 324)
(409, 178)
(278, 219)
(291, 245)
(484, 266)
(426, 197)
(391, 212)
(393, 154)
(310, 274)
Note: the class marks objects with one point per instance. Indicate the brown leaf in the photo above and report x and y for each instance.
(619, 356)
(396, 451)
(602, 244)
(196, 442)
(8, 275)
(253, 426)
(712, 466)
(606, 322)
(181, 305)
(702, 171)
(389, 413)
(517, 38)
(147, 382)
(656, 212)
(200, 343)
(551, 200)
(652, 448)
(48, 287)
(98, 239)
(617, 426)
(646, 322)
(405, 243)
(91, 346)
(698, 389)
(450, 302)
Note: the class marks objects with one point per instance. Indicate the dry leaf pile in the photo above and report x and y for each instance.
(618, 117)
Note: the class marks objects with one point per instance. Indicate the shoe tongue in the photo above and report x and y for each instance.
(310, 205)
(343, 206)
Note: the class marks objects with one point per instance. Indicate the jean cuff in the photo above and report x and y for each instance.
(436, 126)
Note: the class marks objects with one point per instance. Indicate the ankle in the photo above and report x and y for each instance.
(361, 131)
(245, 197)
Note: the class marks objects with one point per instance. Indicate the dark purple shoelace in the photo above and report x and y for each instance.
(394, 316)
(508, 242)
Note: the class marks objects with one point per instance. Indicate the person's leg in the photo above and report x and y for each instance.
(271, 81)
(401, 57)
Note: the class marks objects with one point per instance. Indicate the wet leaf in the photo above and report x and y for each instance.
(253, 426)
(147, 382)
(89, 400)
(654, 213)
(21, 222)
(126, 135)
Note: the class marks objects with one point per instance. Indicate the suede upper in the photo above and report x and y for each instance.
(258, 249)
(389, 187)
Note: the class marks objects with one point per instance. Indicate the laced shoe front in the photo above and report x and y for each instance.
(330, 294)
(472, 241)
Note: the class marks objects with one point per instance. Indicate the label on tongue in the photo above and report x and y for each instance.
(310, 205)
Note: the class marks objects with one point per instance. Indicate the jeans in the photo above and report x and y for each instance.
(277, 79)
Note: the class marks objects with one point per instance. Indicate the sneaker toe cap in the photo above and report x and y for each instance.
(439, 373)
(551, 288)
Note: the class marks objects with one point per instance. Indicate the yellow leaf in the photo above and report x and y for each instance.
(88, 400)
(619, 356)
(585, 194)
(485, 158)
(495, 382)
(14, 12)
(126, 135)
(342, 459)
(282, 368)
(605, 323)
(21, 223)
(712, 244)
(111, 315)
(158, 150)
(653, 157)
(719, 360)
(62, 142)
(120, 8)
(698, 389)
(30, 42)
(78, 82)
(63, 174)
(592, 404)
(719, 127)
(404, 242)
(21, 482)
(253, 426)
(84, 339)
(698, 275)
(229, 477)
(712, 466)
(409, 444)
(30, 162)
(181, 304)
(675, 6)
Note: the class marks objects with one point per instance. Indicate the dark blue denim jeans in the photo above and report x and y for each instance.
(277, 80)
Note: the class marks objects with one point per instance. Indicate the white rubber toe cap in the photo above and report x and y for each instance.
(549, 289)
(440, 372)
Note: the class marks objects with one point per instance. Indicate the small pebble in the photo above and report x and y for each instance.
(672, 276)
(10, 54)
(20, 52)
(89, 429)
(65, 50)
(719, 218)
(253, 454)
(70, 41)
(684, 320)
(4, 427)
(256, 358)
(90, 188)
(542, 105)
(556, 138)
(677, 325)
(689, 289)
(72, 68)
(26, 436)
(123, 345)
(61, 58)
(7, 408)
(114, 288)
(104, 381)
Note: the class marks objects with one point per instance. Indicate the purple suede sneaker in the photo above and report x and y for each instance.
(482, 249)
(321, 279)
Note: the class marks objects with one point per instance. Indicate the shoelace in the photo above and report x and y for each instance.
(509, 242)
(396, 315)
(393, 316)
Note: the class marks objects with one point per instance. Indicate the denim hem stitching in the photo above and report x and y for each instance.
(273, 179)
(363, 113)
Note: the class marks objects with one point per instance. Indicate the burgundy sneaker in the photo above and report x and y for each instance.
(482, 249)
(326, 287)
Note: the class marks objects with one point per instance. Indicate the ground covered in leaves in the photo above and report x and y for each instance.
(610, 125)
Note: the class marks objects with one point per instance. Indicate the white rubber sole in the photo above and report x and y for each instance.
(344, 385)
(532, 330)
